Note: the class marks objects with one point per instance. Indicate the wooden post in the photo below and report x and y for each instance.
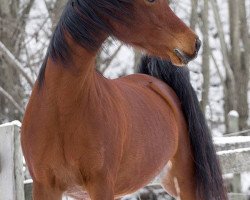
(233, 126)
(28, 189)
(233, 121)
(11, 163)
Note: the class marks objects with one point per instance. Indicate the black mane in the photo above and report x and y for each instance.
(84, 21)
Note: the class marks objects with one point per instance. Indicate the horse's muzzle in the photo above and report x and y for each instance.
(187, 58)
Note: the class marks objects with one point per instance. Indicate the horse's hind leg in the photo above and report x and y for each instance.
(41, 192)
(179, 177)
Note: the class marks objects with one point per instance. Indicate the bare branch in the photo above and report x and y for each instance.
(194, 14)
(11, 99)
(217, 68)
(27, 8)
(224, 50)
(221, 34)
(245, 33)
(49, 8)
(108, 61)
(57, 11)
(10, 58)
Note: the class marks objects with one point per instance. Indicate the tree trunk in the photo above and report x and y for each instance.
(230, 101)
(239, 60)
(244, 68)
(235, 60)
(205, 58)
(194, 14)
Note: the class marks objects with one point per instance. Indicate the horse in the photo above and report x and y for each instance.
(85, 134)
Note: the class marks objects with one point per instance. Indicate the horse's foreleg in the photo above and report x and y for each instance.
(100, 188)
(179, 178)
(41, 192)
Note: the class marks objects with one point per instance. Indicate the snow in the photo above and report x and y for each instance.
(233, 113)
(28, 181)
(13, 123)
(233, 151)
(231, 140)
(124, 62)
(245, 182)
(217, 133)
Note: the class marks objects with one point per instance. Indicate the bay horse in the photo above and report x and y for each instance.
(84, 133)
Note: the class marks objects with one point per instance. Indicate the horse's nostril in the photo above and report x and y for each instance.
(184, 57)
(197, 45)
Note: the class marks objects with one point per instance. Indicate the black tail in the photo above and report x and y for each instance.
(208, 173)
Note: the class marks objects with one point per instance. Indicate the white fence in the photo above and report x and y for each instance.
(234, 154)
(11, 163)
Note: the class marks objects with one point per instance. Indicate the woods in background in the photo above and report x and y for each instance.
(26, 27)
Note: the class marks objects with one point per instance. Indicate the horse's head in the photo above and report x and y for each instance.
(156, 29)
(147, 24)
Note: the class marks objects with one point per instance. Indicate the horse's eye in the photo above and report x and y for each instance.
(151, 1)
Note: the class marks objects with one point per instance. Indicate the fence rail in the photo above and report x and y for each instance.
(233, 152)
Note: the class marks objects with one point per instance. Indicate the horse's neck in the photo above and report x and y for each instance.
(68, 85)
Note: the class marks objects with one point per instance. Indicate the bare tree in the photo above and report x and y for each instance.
(55, 10)
(205, 57)
(241, 62)
(194, 14)
(234, 52)
(230, 101)
(13, 16)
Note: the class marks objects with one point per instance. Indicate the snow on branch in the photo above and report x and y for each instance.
(11, 99)
(10, 58)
